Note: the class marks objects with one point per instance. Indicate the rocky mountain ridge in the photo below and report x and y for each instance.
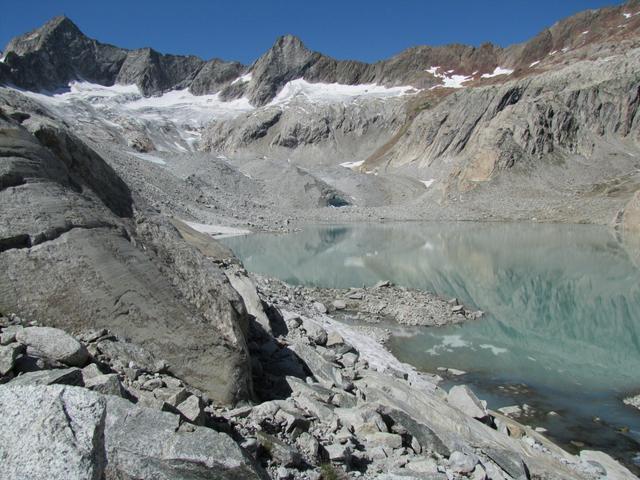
(58, 52)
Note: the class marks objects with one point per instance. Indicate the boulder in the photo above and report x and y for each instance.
(193, 410)
(314, 331)
(55, 344)
(463, 463)
(61, 376)
(8, 355)
(283, 454)
(105, 384)
(8, 334)
(123, 354)
(384, 439)
(465, 400)
(51, 433)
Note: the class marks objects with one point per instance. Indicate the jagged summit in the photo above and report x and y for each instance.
(49, 57)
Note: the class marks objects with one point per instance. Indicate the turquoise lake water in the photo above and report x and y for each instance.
(562, 324)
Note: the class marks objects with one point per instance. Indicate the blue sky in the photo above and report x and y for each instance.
(346, 29)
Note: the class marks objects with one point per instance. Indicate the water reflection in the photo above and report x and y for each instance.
(563, 301)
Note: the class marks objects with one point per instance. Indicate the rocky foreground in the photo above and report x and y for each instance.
(328, 403)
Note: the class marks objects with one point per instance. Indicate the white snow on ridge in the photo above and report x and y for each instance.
(534, 63)
(498, 71)
(352, 165)
(243, 79)
(178, 106)
(428, 183)
(334, 92)
(626, 15)
(449, 80)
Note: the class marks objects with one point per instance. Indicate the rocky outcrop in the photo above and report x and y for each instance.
(75, 433)
(65, 208)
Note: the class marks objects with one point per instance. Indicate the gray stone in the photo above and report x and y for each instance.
(461, 462)
(319, 307)
(363, 420)
(339, 304)
(8, 334)
(309, 446)
(338, 453)
(425, 436)
(426, 465)
(152, 384)
(465, 400)
(178, 397)
(55, 344)
(8, 355)
(144, 443)
(91, 371)
(51, 433)
(280, 452)
(322, 369)
(106, 384)
(66, 376)
(315, 332)
(508, 461)
(125, 353)
(384, 439)
(193, 410)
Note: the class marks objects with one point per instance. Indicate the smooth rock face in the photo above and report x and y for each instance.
(139, 278)
(8, 356)
(62, 376)
(52, 433)
(55, 344)
(464, 399)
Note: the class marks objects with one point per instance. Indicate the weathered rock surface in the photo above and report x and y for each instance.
(54, 344)
(68, 432)
(66, 208)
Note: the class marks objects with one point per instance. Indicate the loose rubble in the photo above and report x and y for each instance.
(323, 409)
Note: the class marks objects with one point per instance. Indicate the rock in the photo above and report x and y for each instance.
(510, 462)
(177, 397)
(52, 433)
(90, 371)
(459, 309)
(383, 439)
(427, 439)
(106, 384)
(8, 334)
(149, 400)
(315, 332)
(242, 284)
(357, 295)
(67, 376)
(309, 446)
(193, 410)
(334, 339)
(323, 370)
(339, 304)
(479, 473)
(427, 465)
(319, 307)
(383, 284)
(125, 353)
(92, 335)
(152, 384)
(282, 473)
(55, 344)
(465, 400)
(8, 355)
(614, 470)
(338, 453)
(279, 451)
(461, 462)
(147, 444)
(363, 420)
(293, 419)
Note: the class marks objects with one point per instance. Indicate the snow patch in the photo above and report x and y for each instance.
(534, 63)
(352, 165)
(497, 72)
(243, 78)
(627, 15)
(428, 183)
(217, 231)
(585, 32)
(334, 92)
(150, 158)
(449, 80)
(553, 53)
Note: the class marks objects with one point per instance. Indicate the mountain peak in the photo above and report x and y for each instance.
(57, 27)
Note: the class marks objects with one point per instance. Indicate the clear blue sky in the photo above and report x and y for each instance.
(243, 29)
